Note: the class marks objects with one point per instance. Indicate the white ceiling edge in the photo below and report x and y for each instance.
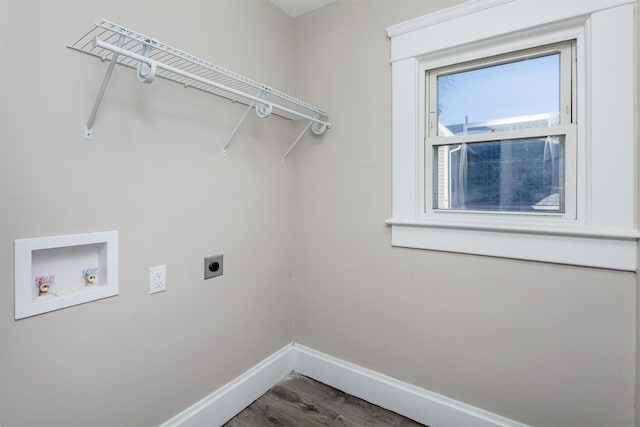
(295, 8)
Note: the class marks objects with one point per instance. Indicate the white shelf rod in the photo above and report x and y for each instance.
(153, 64)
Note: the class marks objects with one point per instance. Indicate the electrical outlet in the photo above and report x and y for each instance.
(213, 266)
(157, 279)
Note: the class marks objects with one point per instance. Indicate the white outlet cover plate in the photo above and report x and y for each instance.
(157, 279)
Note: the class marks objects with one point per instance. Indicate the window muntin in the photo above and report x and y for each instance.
(499, 130)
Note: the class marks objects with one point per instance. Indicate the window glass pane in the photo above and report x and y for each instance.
(510, 175)
(515, 95)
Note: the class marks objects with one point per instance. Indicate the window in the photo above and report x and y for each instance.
(516, 137)
(497, 133)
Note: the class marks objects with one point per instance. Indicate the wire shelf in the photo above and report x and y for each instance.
(190, 71)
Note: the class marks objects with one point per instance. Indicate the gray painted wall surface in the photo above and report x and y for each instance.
(543, 344)
(153, 172)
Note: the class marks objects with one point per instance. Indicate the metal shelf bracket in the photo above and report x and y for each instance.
(316, 128)
(259, 112)
(88, 128)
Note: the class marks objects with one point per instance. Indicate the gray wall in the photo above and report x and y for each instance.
(547, 345)
(153, 172)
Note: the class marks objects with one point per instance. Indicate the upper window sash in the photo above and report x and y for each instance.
(566, 108)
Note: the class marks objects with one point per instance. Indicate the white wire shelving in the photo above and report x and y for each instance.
(151, 58)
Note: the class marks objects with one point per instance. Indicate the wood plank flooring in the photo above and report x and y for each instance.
(301, 401)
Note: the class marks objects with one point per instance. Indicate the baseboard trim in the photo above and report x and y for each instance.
(413, 402)
(224, 403)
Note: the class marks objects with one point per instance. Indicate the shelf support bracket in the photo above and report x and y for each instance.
(253, 104)
(306, 128)
(88, 128)
(223, 152)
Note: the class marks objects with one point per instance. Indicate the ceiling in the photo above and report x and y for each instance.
(297, 7)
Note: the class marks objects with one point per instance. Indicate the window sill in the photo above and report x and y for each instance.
(591, 248)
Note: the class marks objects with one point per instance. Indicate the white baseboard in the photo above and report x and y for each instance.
(413, 402)
(224, 403)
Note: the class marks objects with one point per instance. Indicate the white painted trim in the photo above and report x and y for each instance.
(466, 8)
(500, 17)
(224, 403)
(405, 399)
(410, 401)
(600, 252)
(568, 231)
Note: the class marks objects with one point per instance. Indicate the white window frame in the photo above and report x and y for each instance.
(600, 230)
(565, 128)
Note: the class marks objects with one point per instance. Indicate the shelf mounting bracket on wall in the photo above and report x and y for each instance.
(316, 128)
(88, 128)
(152, 59)
(261, 111)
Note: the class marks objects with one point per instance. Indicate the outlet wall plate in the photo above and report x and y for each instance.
(157, 279)
(213, 266)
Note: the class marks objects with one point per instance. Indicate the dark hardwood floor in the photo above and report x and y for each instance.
(300, 401)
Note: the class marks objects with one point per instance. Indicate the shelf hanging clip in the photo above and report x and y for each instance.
(146, 72)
